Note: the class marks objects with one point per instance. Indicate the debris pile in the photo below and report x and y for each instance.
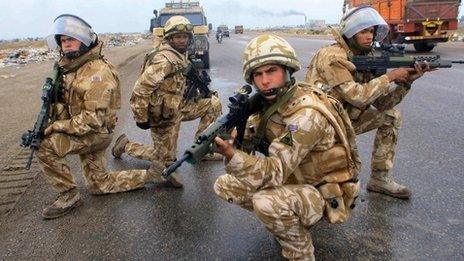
(122, 39)
(16, 54)
(457, 37)
(26, 55)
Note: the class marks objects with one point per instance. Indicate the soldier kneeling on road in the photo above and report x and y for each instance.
(311, 161)
(84, 118)
(158, 103)
(369, 99)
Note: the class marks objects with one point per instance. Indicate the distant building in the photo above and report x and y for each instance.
(315, 24)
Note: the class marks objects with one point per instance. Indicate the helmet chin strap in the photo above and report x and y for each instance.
(82, 49)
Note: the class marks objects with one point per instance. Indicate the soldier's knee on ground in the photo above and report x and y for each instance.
(97, 184)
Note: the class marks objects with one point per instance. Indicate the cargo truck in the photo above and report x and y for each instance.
(423, 23)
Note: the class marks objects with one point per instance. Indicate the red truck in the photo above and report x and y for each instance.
(423, 23)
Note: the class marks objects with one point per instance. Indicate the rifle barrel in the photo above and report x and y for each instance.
(29, 160)
(169, 170)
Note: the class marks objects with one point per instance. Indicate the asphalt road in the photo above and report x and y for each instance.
(157, 223)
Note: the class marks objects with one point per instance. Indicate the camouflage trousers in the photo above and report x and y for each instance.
(387, 120)
(387, 124)
(287, 211)
(91, 150)
(165, 134)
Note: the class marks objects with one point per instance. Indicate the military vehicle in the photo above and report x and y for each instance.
(199, 48)
(238, 29)
(224, 30)
(423, 23)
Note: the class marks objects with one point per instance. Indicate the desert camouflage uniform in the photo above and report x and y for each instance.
(85, 118)
(310, 162)
(157, 97)
(369, 100)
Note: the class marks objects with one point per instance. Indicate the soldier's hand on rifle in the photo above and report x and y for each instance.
(419, 69)
(226, 147)
(400, 74)
(48, 130)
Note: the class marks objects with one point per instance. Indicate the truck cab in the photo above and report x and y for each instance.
(199, 47)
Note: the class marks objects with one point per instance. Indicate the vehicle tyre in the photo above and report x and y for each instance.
(205, 60)
(424, 47)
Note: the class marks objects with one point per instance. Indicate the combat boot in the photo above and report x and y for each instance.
(381, 182)
(154, 175)
(119, 146)
(64, 203)
(212, 157)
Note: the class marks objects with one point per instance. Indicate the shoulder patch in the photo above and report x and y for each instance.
(292, 128)
(287, 139)
(96, 78)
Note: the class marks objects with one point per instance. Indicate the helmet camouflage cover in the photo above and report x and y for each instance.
(177, 24)
(268, 49)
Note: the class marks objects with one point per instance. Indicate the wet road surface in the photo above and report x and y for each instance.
(157, 223)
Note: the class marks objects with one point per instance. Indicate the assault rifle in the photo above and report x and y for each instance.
(378, 65)
(50, 89)
(197, 81)
(241, 106)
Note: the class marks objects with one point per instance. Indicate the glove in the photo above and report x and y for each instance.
(143, 125)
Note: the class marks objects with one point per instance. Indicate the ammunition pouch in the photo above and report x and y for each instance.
(164, 106)
(340, 199)
(331, 169)
(328, 166)
(171, 105)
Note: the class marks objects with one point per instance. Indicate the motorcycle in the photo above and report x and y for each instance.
(219, 37)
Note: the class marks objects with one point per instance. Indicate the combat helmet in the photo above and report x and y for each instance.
(268, 49)
(177, 24)
(357, 19)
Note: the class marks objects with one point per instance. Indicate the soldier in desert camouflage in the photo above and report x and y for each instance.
(85, 116)
(311, 162)
(369, 100)
(158, 104)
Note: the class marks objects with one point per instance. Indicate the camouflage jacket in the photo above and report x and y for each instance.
(331, 69)
(160, 86)
(90, 95)
(300, 135)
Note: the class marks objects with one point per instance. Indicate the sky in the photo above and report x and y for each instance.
(33, 18)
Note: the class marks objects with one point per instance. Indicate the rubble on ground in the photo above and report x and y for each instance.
(123, 39)
(26, 55)
(457, 37)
